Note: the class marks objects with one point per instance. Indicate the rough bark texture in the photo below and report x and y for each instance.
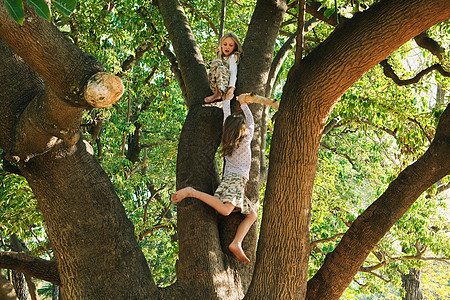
(412, 286)
(6, 289)
(372, 225)
(203, 246)
(20, 285)
(95, 248)
(34, 266)
(312, 89)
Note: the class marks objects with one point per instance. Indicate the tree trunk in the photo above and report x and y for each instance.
(312, 88)
(204, 247)
(55, 292)
(18, 246)
(412, 286)
(20, 285)
(93, 240)
(6, 289)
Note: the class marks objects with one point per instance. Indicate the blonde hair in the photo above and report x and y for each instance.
(237, 47)
(234, 131)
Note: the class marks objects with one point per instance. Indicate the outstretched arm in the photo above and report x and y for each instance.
(253, 98)
(226, 109)
(243, 100)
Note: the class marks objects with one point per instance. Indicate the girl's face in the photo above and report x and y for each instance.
(228, 46)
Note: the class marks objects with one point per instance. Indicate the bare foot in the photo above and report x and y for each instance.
(181, 194)
(212, 98)
(228, 96)
(236, 249)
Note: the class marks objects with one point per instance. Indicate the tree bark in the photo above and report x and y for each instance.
(312, 88)
(412, 286)
(20, 285)
(201, 246)
(34, 266)
(94, 243)
(6, 289)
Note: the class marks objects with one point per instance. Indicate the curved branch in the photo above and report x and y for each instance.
(151, 230)
(132, 59)
(278, 62)
(175, 69)
(317, 9)
(424, 41)
(344, 155)
(377, 275)
(389, 72)
(313, 243)
(205, 17)
(429, 138)
(382, 128)
(372, 268)
(31, 265)
(379, 217)
(281, 55)
(68, 82)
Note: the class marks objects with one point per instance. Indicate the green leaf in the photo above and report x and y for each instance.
(65, 6)
(329, 12)
(15, 9)
(41, 8)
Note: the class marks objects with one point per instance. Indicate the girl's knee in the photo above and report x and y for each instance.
(227, 209)
(252, 216)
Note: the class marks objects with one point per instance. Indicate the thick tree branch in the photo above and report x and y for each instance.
(53, 112)
(389, 72)
(31, 265)
(372, 225)
(187, 52)
(48, 52)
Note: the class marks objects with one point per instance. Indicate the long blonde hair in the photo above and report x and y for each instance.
(237, 47)
(234, 131)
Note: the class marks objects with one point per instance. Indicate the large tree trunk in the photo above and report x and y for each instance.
(412, 286)
(94, 243)
(313, 87)
(203, 246)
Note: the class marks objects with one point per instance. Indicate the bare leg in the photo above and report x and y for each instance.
(242, 230)
(222, 208)
(216, 96)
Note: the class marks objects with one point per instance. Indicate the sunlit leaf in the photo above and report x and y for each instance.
(15, 9)
(41, 8)
(65, 6)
